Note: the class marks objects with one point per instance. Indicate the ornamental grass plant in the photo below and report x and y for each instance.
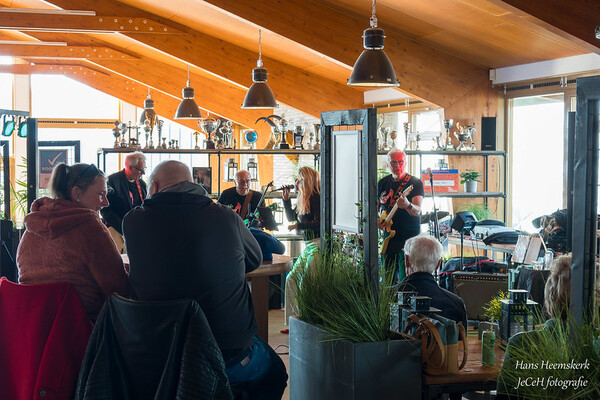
(334, 294)
(560, 361)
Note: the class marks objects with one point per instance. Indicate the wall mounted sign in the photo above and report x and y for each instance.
(48, 160)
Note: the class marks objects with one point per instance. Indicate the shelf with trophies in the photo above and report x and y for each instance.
(217, 140)
(441, 145)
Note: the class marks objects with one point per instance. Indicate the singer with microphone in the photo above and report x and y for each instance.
(307, 214)
(406, 219)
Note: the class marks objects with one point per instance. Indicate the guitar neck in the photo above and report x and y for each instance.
(391, 214)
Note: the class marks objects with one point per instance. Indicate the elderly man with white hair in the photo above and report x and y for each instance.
(423, 256)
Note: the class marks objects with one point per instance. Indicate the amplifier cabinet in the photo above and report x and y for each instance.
(476, 289)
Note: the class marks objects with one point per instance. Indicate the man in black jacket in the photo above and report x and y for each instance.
(126, 190)
(183, 245)
(423, 256)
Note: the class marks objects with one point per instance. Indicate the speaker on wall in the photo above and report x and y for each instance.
(488, 133)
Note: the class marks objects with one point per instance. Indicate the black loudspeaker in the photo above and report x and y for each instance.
(464, 220)
(488, 133)
(476, 289)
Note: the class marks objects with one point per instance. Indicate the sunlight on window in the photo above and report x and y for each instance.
(6, 85)
(57, 96)
(538, 148)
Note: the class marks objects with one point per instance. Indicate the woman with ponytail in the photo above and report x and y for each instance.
(65, 240)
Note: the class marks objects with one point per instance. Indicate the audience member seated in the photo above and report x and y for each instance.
(44, 331)
(183, 245)
(152, 350)
(557, 297)
(423, 256)
(268, 243)
(65, 241)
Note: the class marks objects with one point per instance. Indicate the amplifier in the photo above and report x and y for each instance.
(476, 289)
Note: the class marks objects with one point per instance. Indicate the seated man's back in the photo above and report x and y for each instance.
(183, 245)
(423, 255)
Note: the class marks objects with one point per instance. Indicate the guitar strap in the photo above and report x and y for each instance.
(244, 211)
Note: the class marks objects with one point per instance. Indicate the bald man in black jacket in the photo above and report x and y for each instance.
(181, 244)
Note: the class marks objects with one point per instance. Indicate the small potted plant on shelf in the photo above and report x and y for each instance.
(470, 179)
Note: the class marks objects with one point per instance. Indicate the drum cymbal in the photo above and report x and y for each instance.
(426, 218)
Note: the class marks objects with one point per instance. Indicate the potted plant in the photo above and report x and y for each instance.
(492, 310)
(469, 178)
(341, 346)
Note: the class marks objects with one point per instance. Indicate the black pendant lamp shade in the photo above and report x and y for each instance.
(148, 113)
(373, 67)
(259, 96)
(188, 109)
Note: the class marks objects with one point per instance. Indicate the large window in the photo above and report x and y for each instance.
(538, 153)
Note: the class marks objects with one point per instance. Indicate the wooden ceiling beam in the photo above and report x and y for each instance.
(82, 24)
(424, 72)
(64, 52)
(292, 86)
(53, 69)
(572, 20)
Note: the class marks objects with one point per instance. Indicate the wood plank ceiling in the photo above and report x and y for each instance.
(442, 50)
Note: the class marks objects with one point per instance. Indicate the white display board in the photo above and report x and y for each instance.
(345, 181)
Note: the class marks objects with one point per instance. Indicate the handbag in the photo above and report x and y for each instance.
(439, 343)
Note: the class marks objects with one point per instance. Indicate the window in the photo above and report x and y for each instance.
(537, 181)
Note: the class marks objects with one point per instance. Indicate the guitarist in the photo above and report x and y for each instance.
(240, 198)
(406, 222)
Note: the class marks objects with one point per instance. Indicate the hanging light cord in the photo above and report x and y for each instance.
(188, 81)
(373, 16)
(259, 63)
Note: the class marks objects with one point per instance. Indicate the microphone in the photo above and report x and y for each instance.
(284, 187)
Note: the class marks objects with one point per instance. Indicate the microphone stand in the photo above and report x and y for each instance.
(251, 216)
(436, 226)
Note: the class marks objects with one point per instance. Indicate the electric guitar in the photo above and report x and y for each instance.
(252, 215)
(387, 220)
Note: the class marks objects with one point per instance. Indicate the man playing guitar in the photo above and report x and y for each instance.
(406, 222)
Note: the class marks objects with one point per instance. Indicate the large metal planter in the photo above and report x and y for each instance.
(344, 370)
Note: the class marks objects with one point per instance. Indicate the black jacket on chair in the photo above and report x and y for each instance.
(152, 350)
(119, 199)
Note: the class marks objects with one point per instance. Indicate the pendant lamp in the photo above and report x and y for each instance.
(373, 67)
(148, 113)
(188, 109)
(259, 96)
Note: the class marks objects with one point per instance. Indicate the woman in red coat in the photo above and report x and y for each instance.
(65, 241)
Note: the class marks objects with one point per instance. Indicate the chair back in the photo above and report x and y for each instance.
(44, 331)
(152, 350)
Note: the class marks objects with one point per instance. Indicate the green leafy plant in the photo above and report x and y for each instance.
(480, 210)
(492, 309)
(382, 173)
(335, 294)
(470, 175)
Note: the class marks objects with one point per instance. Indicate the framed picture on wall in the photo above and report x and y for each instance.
(203, 176)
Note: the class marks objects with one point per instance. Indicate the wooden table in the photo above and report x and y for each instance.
(259, 282)
(474, 376)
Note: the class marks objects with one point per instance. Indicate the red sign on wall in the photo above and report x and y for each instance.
(444, 181)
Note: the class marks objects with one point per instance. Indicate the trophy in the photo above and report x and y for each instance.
(393, 136)
(226, 130)
(196, 134)
(418, 140)
(160, 124)
(164, 143)
(317, 128)
(148, 134)
(447, 125)
(116, 133)
(382, 132)
(298, 137)
(406, 132)
(123, 127)
(466, 133)
(251, 137)
(209, 126)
